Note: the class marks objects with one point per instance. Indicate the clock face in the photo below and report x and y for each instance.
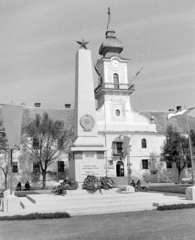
(115, 63)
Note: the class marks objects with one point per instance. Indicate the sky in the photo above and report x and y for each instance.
(38, 44)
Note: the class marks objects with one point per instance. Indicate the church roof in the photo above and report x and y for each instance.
(111, 43)
(29, 113)
(160, 119)
(67, 115)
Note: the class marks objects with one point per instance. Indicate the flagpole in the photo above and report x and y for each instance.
(191, 155)
(128, 165)
(11, 173)
(105, 129)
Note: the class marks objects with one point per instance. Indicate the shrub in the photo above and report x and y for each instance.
(35, 216)
(175, 206)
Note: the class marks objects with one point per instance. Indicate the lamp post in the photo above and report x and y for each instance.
(12, 120)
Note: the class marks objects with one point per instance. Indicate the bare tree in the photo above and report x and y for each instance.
(45, 140)
(4, 156)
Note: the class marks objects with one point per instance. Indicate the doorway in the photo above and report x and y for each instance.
(120, 169)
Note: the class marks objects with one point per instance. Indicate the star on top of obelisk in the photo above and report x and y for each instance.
(83, 44)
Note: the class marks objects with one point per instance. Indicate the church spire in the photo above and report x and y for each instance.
(111, 44)
(110, 31)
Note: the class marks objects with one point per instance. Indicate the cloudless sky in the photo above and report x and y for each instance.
(38, 47)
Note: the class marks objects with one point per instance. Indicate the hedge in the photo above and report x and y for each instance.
(175, 206)
(35, 216)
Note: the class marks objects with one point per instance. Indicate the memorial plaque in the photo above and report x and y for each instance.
(89, 169)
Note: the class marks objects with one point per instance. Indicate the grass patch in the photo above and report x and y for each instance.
(35, 216)
(175, 207)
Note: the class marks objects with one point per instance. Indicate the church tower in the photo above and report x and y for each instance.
(115, 116)
(114, 89)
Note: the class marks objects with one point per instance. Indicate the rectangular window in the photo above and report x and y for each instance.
(36, 167)
(35, 143)
(14, 167)
(169, 165)
(119, 148)
(60, 143)
(60, 166)
(145, 164)
(189, 165)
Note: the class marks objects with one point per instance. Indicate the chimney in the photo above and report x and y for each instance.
(37, 104)
(152, 119)
(178, 108)
(67, 105)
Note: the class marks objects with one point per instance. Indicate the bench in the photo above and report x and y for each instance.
(185, 180)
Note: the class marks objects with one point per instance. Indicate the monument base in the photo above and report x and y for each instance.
(86, 161)
(11, 204)
(190, 193)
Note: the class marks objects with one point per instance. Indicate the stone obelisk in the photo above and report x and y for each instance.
(87, 152)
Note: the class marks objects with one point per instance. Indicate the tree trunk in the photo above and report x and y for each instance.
(179, 173)
(6, 181)
(44, 180)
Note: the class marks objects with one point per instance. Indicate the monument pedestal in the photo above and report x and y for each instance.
(86, 161)
(86, 155)
(10, 203)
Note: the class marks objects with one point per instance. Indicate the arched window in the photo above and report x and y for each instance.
(116, 81)
(144, 143)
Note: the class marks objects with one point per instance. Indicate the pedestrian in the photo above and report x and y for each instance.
(27, 185)
(132, 183)
(138, 186)
(147, 186)
(19, 187)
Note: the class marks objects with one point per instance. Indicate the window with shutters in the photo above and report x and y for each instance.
(60, 166)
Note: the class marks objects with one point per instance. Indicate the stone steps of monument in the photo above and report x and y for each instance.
(82, 192)
(94, 200)
(78, 205)
(81, 208)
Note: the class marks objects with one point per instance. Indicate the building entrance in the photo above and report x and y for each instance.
(120, 169)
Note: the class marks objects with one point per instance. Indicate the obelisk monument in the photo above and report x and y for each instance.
(87, 152)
